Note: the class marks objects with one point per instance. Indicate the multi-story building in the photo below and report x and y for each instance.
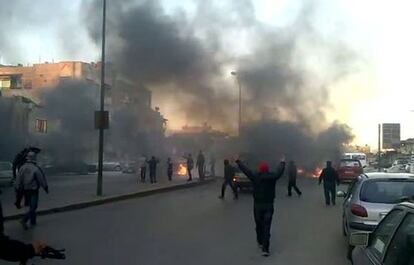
(129, 103)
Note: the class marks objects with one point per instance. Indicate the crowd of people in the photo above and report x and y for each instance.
(29, 179)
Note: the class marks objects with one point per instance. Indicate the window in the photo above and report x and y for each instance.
(5, 82)
(383, 233)
(16, 82)
(390, 191)
(401, 249)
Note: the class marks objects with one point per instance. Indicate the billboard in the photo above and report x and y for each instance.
(391, 136)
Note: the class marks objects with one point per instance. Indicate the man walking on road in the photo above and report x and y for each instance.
(29, 180)
(169, 169)
(228, 180)
(200, 165)
(330, 179)
(152, 164)
(292, 174)
(264, 185)
(190, 166)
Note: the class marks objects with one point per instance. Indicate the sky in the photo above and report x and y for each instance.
(380, 32)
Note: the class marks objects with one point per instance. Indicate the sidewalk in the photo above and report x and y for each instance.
(70, 192)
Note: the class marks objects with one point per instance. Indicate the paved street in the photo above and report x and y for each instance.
(68, 189)
(193, 226)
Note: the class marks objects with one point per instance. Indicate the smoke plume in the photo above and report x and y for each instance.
(285, 75)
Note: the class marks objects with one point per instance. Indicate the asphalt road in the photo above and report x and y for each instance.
(194, 227)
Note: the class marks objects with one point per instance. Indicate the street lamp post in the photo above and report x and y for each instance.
(240, 101)
(102, 106)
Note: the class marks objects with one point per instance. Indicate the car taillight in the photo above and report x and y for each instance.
(359, 210)
(235, 178)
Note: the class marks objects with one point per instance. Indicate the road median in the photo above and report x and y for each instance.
(112, 198)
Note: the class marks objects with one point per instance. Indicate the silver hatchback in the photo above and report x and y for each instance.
(370, 197)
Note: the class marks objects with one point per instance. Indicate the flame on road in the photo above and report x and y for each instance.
(316, 172)
(182, 170)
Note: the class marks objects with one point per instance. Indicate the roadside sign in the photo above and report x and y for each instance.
(101, 119)
(391, 138)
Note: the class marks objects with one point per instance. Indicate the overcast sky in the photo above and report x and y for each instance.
(380, 31)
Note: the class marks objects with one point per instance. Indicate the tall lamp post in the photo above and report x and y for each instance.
(240, 101)
(101, 115)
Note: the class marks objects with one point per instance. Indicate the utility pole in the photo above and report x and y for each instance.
(379, 147)
(240, 101)
(102, 106)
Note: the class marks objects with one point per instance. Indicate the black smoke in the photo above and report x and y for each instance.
(286, 74)
(69, 109)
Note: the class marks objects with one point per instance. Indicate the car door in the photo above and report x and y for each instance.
(374, 253)
(401, 248)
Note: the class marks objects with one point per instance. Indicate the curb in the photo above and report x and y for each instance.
(111, 199)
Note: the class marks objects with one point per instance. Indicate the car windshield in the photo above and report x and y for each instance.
(350, 163)
(5, 166)
(387, 191)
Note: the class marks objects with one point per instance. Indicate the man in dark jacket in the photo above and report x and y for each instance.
(190, 166)
(152, 164)
(16, 251)
(330, 179)
(228, 179)
(264, 185)
(292, 174)
(200, 165)
(169, 169)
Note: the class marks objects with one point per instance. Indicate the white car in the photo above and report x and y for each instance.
(6, 173)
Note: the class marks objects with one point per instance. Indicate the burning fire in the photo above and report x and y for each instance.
(310, 173)
(316, 172)
(182, 170)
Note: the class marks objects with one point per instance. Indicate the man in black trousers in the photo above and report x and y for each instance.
(228, 180)
(292, 174)
(330, 179)
(264, 185)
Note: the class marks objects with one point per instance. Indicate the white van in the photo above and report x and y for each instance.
(359, 156)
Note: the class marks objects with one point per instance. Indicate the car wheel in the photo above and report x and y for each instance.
(349, 252)
(343, 227)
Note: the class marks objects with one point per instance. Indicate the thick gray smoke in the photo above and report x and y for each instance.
(14, 115)
(285, 76)
(69, 110)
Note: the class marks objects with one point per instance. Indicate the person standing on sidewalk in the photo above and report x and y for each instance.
(330, 179)
(264, 185)
(29, 180)
(190, 166)
(169, 168)
(143, 168)
(212, 165)
(292, 174)
(152, 164)
(229, 172)
(200, 165)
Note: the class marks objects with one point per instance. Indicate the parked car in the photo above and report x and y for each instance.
(349, 169)
(241, 181)
(130, 167)
(111, 166)
(76, 167)
(391, 243)
(370, 197)
(6, 173)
